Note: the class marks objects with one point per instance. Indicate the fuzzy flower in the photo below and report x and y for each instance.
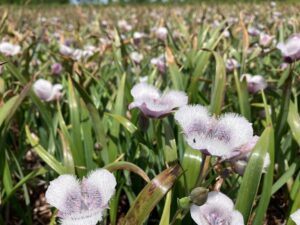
(296, 217)
(160, 63)
(136, 57)
(152, 103)
(218, 210)
(46, 91)
(81, 202)
(56, 68)
(290, 49)
(255, 83)
(9, 49)
(231, 64)
(161, 33)
(213, 136)
(265, 40)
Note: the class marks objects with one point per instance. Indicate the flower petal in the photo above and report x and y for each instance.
(175, 99)
(60, 189)
(191, 115)
(220, 200)
(296, 217)
(43, 89)
(197, 216)
(144, 90)
(239, 129)
(237, 218)
(87, 217)
(105, 182)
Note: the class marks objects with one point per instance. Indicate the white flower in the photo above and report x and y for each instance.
(296, 217)
(253, 31)
(160, 63)
(9, 49)
(218, 210)
(231, 64)
(66, 50)
(161, 33)
(81, 203)
(46, 91)
(290, 49)
(255, 83)
(150, 101)
(265, 40)
(138, 35)
(217, 137)
(124, 25)
(136, 57)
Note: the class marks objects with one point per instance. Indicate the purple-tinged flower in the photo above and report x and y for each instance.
(296, 217)
(231, 64)
(152, 103)
(218, 210)
(290, 49)
(255, 83)
(283, 66)
(265, 40)
(136, 57)
(56, 68)
(232, 20)
(81, 202)
(9, 49)
(66, 50)
(160, 63)
(137, 37)
(47, 91)
(276, 14)
(161, 33)
(273, 4)
(253, 31)
(124, 25)
(213, 136)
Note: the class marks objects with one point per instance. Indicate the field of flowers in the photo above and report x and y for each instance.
(158, 115)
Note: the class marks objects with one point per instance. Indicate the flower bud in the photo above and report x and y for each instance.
(199, 195)
(184, 203)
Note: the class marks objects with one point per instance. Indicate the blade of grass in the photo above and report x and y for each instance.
(152, 193)
(252, 176)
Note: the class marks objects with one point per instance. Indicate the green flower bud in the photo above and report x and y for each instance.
(184, 203)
